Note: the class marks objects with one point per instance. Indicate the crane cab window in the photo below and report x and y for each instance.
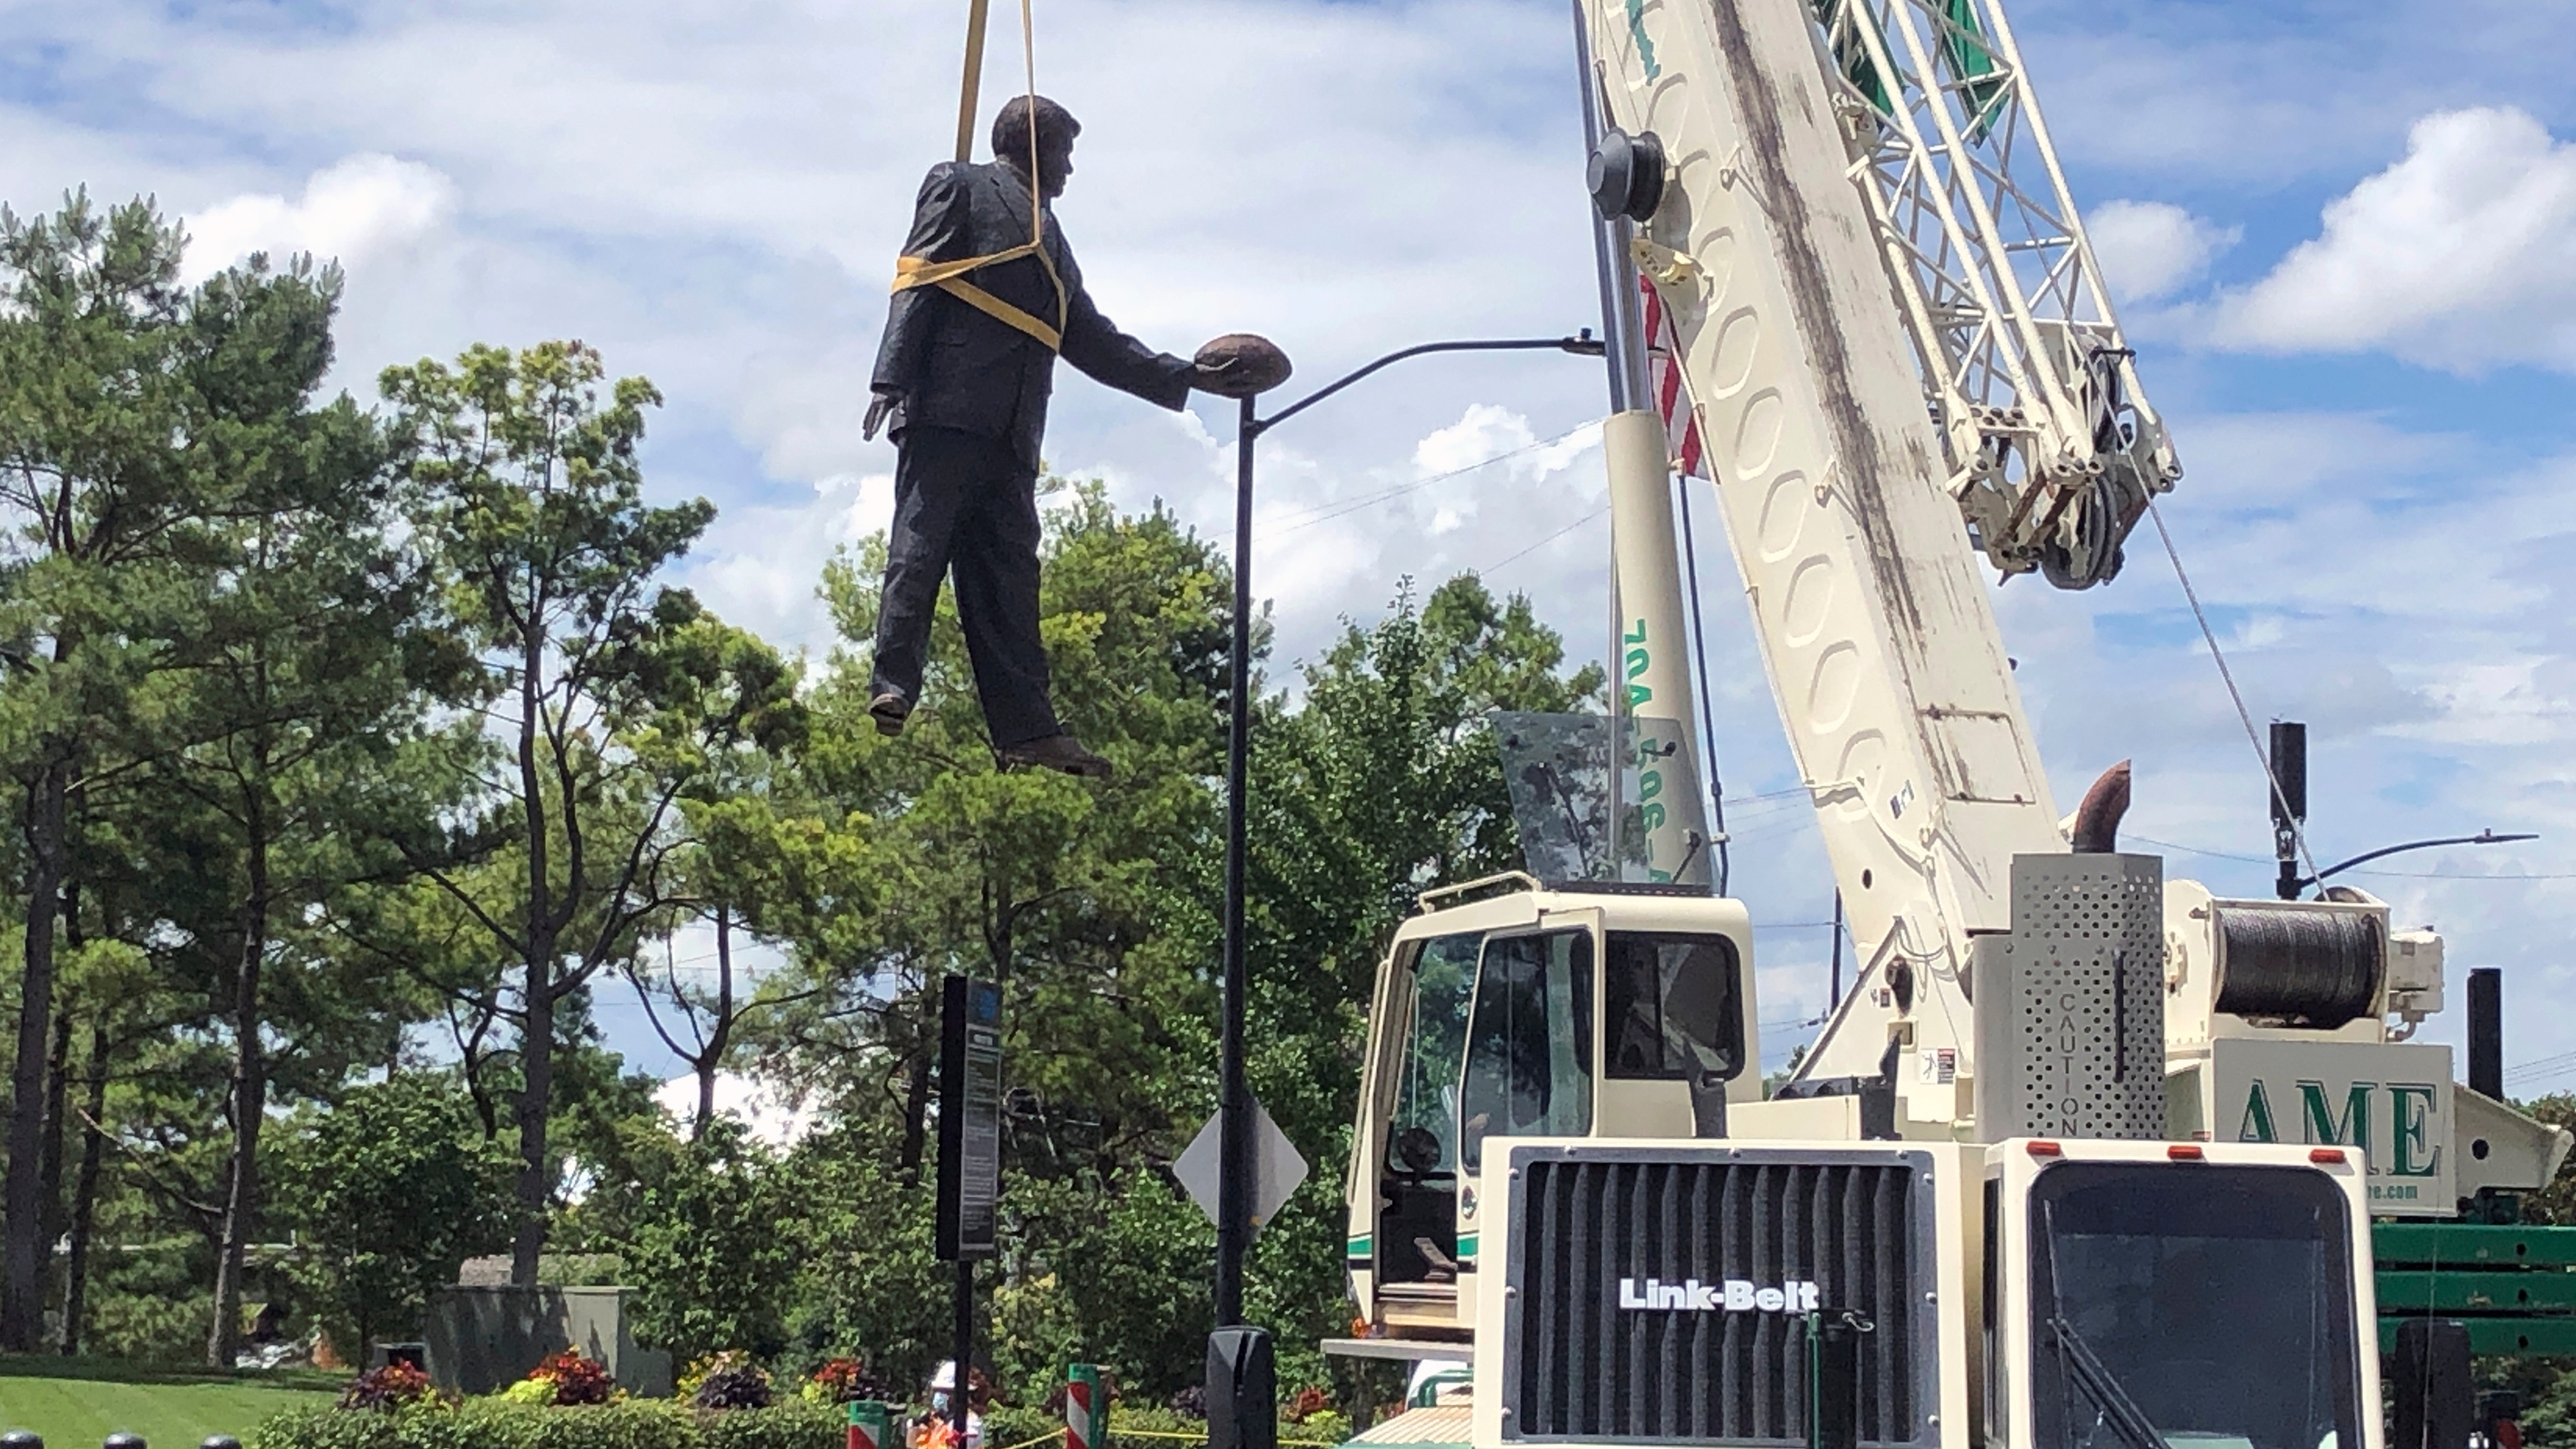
(1417, 1224)
(1674, 1008)
(1529, 1042)
(1422, 1128)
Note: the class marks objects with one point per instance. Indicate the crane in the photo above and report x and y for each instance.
(2074, 1117)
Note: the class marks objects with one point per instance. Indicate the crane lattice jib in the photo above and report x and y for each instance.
(2052, 446)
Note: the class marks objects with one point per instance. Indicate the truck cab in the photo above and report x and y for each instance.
(2034, 1292)
(1508, 1008)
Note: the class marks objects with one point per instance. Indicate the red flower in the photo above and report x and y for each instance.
(577, 1380)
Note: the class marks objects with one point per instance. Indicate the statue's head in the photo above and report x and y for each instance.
(1056, 129)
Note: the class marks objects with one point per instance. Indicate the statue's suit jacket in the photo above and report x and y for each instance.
(955, 367)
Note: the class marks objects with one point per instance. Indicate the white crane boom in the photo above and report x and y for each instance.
(2052, 447)
(1873, 618)
(1900, 354)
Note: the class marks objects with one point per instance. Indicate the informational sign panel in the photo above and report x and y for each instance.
(2391, 1102)
(970, 1118)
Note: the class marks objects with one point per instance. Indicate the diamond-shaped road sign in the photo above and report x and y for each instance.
(1276, 1167)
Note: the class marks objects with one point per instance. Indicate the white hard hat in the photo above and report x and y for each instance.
(945, 1376)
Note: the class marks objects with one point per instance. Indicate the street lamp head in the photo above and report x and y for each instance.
(1584, 344)
(1240, 365)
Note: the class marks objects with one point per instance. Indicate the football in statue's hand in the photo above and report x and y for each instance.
(1240, 365)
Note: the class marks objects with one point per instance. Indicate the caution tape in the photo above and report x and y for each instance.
(1200, 1438)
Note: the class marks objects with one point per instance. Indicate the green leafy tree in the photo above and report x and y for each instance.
(389, 1192)
(122, 402)
(293, 714)
(713, 1249)
(2555, 1203)
(724, 724)
(534, 510)
(1064, 892)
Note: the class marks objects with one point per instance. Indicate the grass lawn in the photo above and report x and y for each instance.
(74, 1405)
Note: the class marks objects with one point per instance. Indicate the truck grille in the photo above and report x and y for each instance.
(1590, 1228)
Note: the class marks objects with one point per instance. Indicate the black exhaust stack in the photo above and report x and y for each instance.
(2289, 800)
(2486, 1032)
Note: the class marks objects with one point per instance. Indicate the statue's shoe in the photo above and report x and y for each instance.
(890, 710)
(1056, 752)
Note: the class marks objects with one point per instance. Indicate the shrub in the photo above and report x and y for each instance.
(1154, 1420)
(498, 1422)
(1004, 1427)
(843, 1381)
(577, 1380)
(731, 1380)
(629, 1424)
(326, 1429)
(794, 1424)
(388, 1388)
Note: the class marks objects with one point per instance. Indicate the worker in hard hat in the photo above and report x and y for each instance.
(984, 301)
(939, 1430)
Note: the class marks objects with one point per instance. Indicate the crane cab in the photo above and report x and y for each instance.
(1506, 1008)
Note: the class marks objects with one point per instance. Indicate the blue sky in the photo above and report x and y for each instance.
(2343, 236)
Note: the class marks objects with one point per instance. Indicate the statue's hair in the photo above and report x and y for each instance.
(1056, 127)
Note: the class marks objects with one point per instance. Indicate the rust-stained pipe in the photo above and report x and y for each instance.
(2097, 820)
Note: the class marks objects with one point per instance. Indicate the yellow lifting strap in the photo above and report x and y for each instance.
(950, 277)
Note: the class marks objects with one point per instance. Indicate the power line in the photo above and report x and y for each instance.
(2298, 830)
(1343, 508)
(2381, 874)
(2558, 1065)
(1544, 542)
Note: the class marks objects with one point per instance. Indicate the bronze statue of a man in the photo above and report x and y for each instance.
(962, 380)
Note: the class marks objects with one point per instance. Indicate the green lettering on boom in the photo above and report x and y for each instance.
(2411, 1106)
(2354, 1128)
(1645, 47)
(2257, 1126)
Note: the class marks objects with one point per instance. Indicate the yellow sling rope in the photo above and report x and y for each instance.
(950, 277)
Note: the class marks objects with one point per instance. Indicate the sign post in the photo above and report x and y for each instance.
(970, 1157)
(868, 1425)
(1085, 1406)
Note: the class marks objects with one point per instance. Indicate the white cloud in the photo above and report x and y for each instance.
(759, 564)
(773, 1116)
(2456, 256)
(354, 212)
(2152, 249)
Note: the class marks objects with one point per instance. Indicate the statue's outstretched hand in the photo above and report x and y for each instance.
(880, 408)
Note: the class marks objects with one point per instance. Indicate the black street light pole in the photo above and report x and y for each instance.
(2483, 837)
(1234, 1102)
